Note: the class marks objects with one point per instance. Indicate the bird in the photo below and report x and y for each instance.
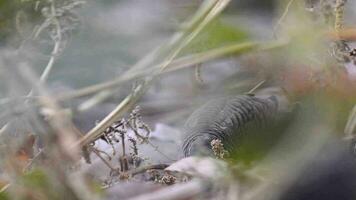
(227, 119)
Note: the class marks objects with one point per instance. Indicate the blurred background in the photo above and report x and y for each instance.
(65, 65)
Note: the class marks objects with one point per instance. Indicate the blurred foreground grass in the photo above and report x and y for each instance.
(62, 58)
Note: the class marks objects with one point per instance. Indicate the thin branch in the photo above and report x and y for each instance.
(197, 73)
(256, 87)
(115, 115)
(143, 169)
(57, 43)
(339, 14)
(280, 20)
(3, 189)
(348, 34)
(55, 50)
(160, 152)
(351, 125)
(3, 129)
(29, 164)
(102, 159)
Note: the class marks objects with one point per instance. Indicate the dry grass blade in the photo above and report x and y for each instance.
(351, 125)
(181, 63)
(177, 64)
(339, 14)
(3, 189)
(280, 20)
(348, 34)
(57, 44)
(116, 114)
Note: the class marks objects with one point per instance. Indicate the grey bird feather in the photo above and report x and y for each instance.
(227, 119)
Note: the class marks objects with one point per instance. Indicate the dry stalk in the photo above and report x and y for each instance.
(280, 20)
(339, 14)
(104, 161)
(351, 125)
(120, 129)
(198, 76)
(57, 40)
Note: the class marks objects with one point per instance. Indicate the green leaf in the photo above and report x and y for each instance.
(216, 34)
(36, 178)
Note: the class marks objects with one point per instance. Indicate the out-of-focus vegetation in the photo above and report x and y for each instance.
(94, 96)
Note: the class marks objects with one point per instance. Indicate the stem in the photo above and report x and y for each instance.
(139, 170)
(55, 51)
(102, 159)
(279, 22)
(339, 15)
(3, 189)
(256, 87)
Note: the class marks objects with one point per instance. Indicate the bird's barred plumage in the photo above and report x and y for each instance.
(226, 119)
